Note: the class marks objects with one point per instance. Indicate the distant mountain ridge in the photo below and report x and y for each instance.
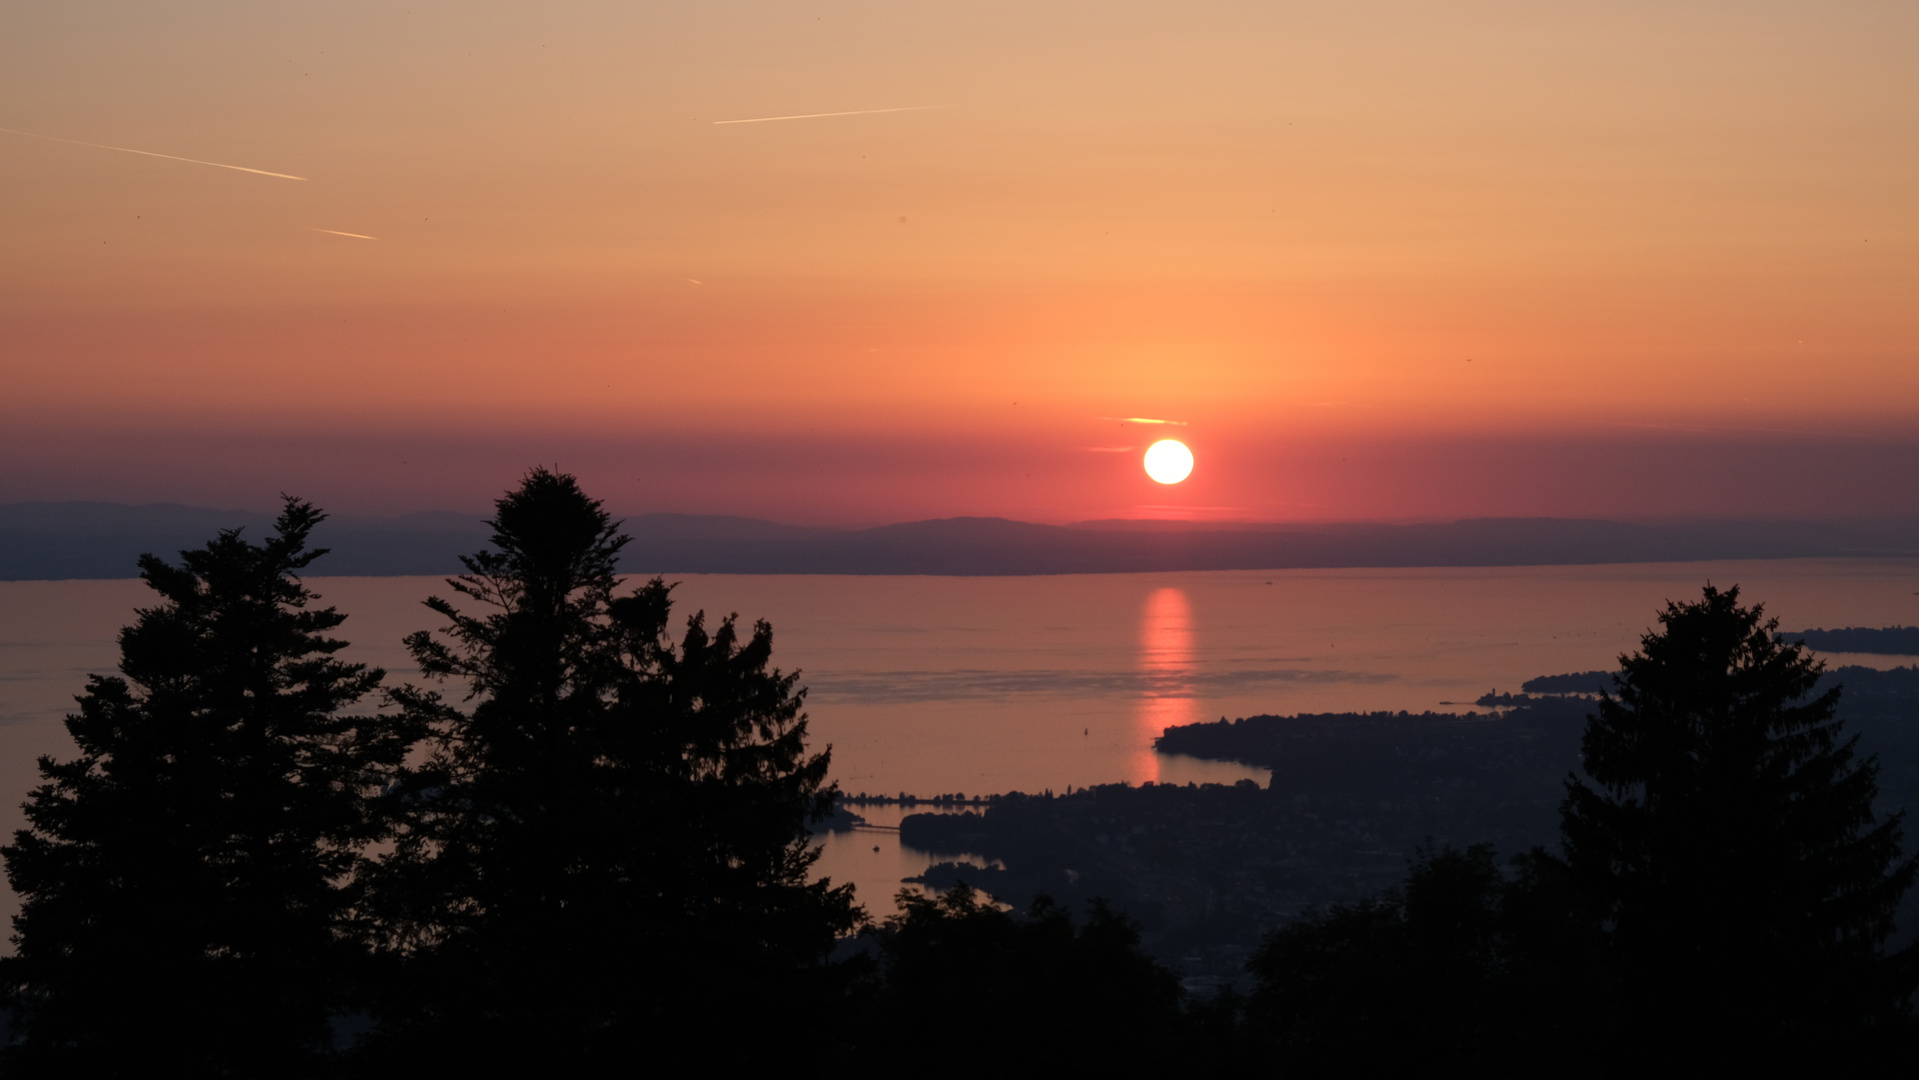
(55, 540)
(49, 540)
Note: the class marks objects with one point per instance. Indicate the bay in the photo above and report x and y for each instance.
(942, 685)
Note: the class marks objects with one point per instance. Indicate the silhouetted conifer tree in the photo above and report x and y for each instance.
(1730, 838)
(182, 879)
(609, 847)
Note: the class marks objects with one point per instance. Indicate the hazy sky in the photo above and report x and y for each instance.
(1386, 260)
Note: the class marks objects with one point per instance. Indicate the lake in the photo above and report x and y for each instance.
(935, 685)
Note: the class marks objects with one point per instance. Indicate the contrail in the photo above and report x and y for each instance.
(817, 115)
(355, 235)
(1143, 420)
(149, 153)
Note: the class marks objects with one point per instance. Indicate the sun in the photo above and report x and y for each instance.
(1168, 461)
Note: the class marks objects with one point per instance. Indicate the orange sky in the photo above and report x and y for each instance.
(1619, 258)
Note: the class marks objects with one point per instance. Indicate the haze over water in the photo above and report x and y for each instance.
(936, 685)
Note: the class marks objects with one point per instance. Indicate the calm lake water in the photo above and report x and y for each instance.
(979, 685)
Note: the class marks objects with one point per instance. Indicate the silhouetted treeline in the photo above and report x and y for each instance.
(963, 989)
(1464, 970)
(1579, 682)
(907, 798)
(584, 847)
(596, 843)
(1721, 899)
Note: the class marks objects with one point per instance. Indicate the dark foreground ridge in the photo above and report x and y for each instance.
(47, 541)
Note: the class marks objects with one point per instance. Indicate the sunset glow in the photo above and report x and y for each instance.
(742, 501)
(1395, 241)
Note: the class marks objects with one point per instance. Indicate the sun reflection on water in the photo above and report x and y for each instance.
(1165, 666)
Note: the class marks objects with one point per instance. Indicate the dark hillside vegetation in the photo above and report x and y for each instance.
(1035, 993)
(1208, 869)
(1579, 682)
(1723, 896)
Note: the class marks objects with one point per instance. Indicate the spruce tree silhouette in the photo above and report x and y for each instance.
(1729, 836)
(610, 847)
(182, 879)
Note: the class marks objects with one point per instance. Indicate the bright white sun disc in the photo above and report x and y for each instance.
(1168, 461)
